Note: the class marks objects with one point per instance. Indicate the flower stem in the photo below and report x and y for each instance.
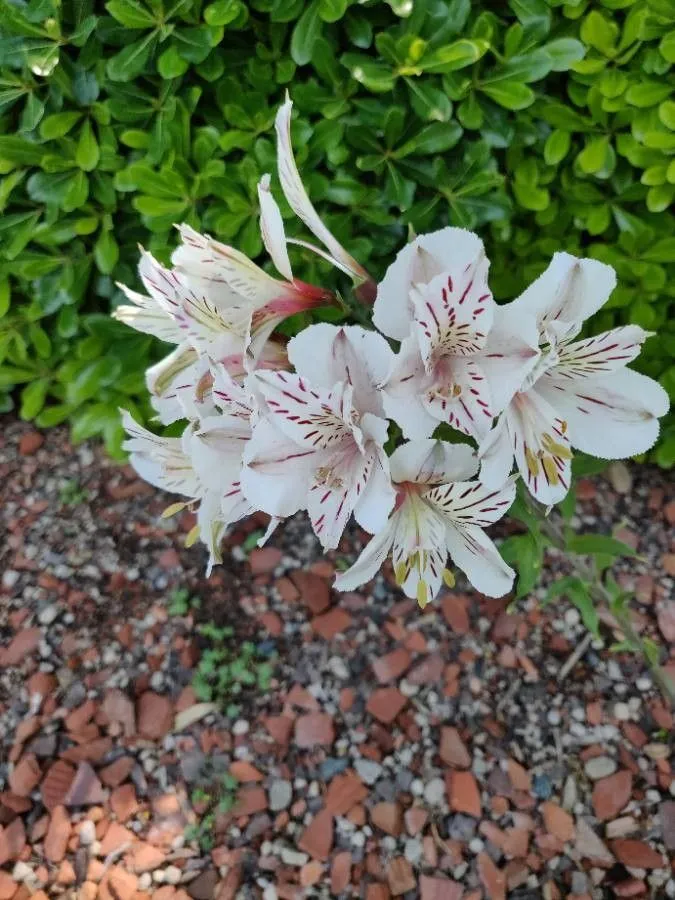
(602, 596)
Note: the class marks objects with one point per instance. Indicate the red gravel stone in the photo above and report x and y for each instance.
(377, 892)
(12, 841)
(86, 789)
(344, 792)
(385, 704)
(56, 783)
(155, 715)
(58, 834)
(118, 884)
(667, 815)
(314, 590)
(387, 817)
(115, 837)
(439, 889)
(611, 794)
(492, 878)
(558, 822)
(280, 728)
(119, 710)
(454, 607)
(666, 619)
(117, 771)
(123, 802)
(428, 671)
(8, 887)
(263, 560)
(637, 854)
(453, 750)
(314, 729)
(26, 776)
(250, 800)
(463, 793)
(391, 666)
(400, 876)
(518, 776)
(340, 872)
(145, 858)
(30, 442)
(415, 819)
(317, 838)
(23, 645)
(244, 772)
(330, 623)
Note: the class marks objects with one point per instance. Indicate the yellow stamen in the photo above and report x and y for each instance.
(532, 463)
(400, 573)
(448, 578)
(550, 469)
(555, 448)
(192, 536)
(173, 509)
(422, 598)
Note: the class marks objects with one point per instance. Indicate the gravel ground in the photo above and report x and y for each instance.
(448, 754)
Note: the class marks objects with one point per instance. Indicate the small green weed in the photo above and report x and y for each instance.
(71, 493)
(218, 798)
(181, 602)
(226, 668)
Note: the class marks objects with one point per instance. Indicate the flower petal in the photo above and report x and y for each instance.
(277, 473)
(334, 492)
(160, 461)
(369, 562)
(148, 317)
(419, 553)
(460, 396)
(424, 258)
(601, 354)
(377, 497)
(328, 353)
(496, 454)
(297, 198)
(312, 418)
(475, 554)
(454, 312)
(472, 502)
(403, 392)
(541, 446)
(226, 271)
(511, 352)
(171, 379)
(612, 417)
(272, 229)
(432, 462)
(569, 290)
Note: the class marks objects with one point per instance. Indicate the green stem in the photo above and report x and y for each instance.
(602, 596)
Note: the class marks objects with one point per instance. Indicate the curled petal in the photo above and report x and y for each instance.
(160, 461)
(475, 554)
(297, 195)
(432, 462)
(272, 229)
(601, 354)
(369, 562)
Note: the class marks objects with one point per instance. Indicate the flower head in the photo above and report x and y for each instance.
(438, 512)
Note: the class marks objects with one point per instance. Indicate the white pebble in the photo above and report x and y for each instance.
(172, 875)
(144, 881)
(599, 767)
(476, 845)
(622, 711)
(434, 791)
(87, 833)
(240, 727)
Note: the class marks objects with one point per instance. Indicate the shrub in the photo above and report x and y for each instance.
(544, 125)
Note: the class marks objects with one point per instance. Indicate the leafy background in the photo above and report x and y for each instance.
(544, 125)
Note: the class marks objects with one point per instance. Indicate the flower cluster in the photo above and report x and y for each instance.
(307, 425)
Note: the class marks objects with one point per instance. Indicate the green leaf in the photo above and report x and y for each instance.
(434, 138)
(592, 157)
(171, 64)
(556, 147)
(564, 52)
(453, 56)
(590, 544)
(577, 592)
(222, 12)
(600, 33)
(332, 10)
(58, 124)
(130, 62)
(524, 553)
(33, 112)
(305, 34)
(130, 13)
(33, 398)
(510, 94)
(106, 252)
(667, 46)
(648, 93)
(375, 75)
(19, 150)
(87, 154)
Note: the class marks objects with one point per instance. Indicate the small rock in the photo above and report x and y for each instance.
(203, 887)
(12, 841)
(369, 770)
(637, 854)
(492, 878)
(599, 767)
(589, 846)
(434, 792)
(155, 715)
(30, 442)
(58, 834)
(463, 793)
(317, 838)
(453, 750)
(440, 889)
(172, 875)
(314, 729)
(280, 795)
(611, 794)
(620, 477)
(387, 817)
(667, 815)
(400, 876)
(86, 789)
(558, 822)
(87, 833)
(385, 704)
(26, 776)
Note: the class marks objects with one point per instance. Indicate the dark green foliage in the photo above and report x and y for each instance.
(544, 125)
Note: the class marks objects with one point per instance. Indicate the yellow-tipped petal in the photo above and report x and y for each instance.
(173, 509)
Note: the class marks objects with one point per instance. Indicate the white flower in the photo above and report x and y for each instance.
(297, 198)
(580, 393)
(435, 299)
(319, 443)
(438, 512)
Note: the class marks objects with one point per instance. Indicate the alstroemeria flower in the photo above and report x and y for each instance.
(320, 448)
(298, 200)
(580, 393)
(435, 299)
(439, 512)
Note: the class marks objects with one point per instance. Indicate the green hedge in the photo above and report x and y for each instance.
(543, 125)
